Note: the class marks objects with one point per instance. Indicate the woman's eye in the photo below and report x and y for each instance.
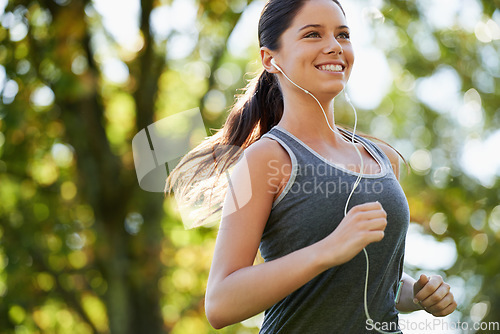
(313, 34)
(344, 35)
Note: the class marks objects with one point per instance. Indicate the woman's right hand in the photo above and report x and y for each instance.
(363, 224)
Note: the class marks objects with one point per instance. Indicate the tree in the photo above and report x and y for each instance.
(79, 237)
(444, 198)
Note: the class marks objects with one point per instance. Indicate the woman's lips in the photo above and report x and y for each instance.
(331, 67)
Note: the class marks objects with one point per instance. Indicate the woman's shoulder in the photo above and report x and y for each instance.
(269, 162)
(267, 149)
(393, 156)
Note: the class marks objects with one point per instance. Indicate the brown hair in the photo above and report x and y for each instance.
(196, 178)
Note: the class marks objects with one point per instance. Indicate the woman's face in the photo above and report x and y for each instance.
(315, 50)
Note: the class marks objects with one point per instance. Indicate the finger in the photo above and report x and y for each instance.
(377, 224)
(449, 309)
(371, 214)
(428, 289)
(436, 296)
(434, 282)
(418, 286)
(441, 305)
(368, 206)
(374, 236)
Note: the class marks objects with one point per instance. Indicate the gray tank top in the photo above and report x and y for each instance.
(309, 208)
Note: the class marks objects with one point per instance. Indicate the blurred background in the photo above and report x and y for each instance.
(83, 249)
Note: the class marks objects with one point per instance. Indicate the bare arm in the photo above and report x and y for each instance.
(236, 289)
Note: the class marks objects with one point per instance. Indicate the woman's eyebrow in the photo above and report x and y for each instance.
(320, 26)
(310, 26)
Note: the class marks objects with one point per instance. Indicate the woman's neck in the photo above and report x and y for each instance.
(303, 117)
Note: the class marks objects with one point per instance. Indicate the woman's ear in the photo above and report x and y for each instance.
(266, 55)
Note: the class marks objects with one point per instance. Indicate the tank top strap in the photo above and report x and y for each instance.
(303, 153)
(298, 153)
(374, 149)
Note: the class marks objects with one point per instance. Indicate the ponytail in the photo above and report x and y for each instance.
(255, 112)
(196, 178)
(196, 181)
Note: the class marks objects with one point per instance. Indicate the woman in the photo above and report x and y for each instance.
(304, 212)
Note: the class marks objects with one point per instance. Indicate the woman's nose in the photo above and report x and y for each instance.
(333, 46)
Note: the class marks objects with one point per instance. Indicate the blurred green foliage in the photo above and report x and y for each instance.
(84, 250)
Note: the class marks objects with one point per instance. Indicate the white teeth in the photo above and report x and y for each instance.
(331, 68)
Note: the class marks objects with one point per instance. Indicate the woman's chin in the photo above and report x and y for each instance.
(333, 91)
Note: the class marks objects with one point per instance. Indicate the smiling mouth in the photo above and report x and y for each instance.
(331, 68)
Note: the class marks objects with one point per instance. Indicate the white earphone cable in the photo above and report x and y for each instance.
(355, 185)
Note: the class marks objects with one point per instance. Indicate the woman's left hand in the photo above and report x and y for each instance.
(434, 295)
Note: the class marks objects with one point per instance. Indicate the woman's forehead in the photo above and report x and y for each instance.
(324, 12)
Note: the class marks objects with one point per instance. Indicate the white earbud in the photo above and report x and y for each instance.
(276, 65)
(286, 76)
